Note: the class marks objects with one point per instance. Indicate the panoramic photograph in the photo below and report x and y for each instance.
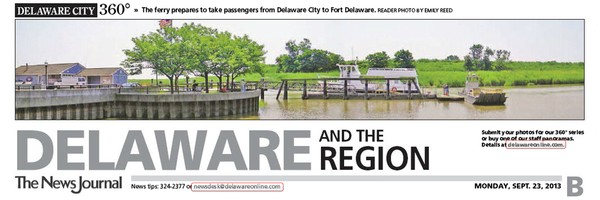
(167, 69)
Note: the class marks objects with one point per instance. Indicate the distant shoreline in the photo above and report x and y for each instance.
(435, 73)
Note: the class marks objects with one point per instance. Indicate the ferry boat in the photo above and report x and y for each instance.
(479, 96)
(351, 71)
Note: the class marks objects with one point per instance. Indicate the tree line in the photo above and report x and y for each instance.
(301, 57)
(402, 59)
(480, 58)
(197, 50)
(193, 49)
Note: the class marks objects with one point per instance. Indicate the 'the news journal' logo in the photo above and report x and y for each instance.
(56, 10)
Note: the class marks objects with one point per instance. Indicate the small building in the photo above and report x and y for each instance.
(104, 76)
(36, 74)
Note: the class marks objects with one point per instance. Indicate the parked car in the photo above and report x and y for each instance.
(130, 85)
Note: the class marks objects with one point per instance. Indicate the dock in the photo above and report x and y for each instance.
(338, 88)
(450, 98)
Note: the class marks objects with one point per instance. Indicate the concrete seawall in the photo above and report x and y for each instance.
(125, 104)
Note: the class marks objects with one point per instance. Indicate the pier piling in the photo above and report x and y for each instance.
(324, 89)
(366, 89)
(285, 90)
(387, 89)
(345, 89)
(409, 90)
(304, 92)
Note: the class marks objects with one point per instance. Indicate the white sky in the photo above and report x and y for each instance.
(99, 43)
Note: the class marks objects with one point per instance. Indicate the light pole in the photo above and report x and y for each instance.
(46, 70)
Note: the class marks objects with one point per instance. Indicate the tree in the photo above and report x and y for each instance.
(476, 55)
(221, 55)
(200, 39)
(302, 58)
(248, 57)
(294, 50)
(476, 51)
(481, 59)
(502, 56)
(195, 49)
(159, 50)
(486, 63)
(284, 63)
(378, 60)
(452, 58)
(233, 56)
(334, 60)
(313, 60)
(180, 52)
(404, 59)
(469, 65)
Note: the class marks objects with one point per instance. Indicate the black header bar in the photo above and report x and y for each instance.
(56, 10)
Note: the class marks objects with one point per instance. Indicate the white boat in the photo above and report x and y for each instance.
(402, 86)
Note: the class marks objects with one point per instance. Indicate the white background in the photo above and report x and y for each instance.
(454, 145)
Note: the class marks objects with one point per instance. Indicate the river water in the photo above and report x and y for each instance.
(556, 102)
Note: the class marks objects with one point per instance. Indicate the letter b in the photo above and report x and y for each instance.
(574, 182)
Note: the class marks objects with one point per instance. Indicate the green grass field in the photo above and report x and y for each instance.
(437, 73)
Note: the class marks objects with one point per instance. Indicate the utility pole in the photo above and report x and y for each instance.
(46, 70)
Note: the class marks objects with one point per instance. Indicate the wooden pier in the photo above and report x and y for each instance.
(338, 88)
(450, 98)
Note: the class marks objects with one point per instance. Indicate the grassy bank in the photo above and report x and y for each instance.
(502, 78)
(437, 73)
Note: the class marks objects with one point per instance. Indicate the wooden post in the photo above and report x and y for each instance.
(418, 89)
(304, 92)
(285, 90)
(366, 89)
(387, 84)
(279, 91)
(345, 89)
(409, 90)
(324, 89)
